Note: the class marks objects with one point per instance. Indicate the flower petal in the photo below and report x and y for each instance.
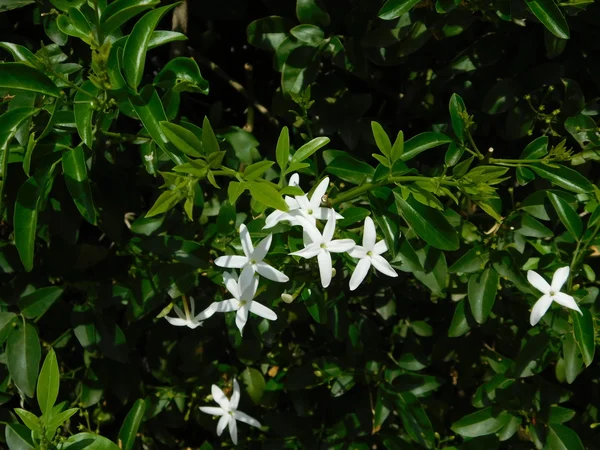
(176, 321)
(249, 287)
(310, 251)
(231, 261)
(230, 280)
(294, 180)
(319, 192)
(539, 309)
(273, 219)
(234, 401)
(329, 226)
(246, 241)
(567, 301)
(369, 234)
(192, 306)
(536, 280)
(223, 422)
(303, 202)
(219, 397)
(559, 278)
(246, 278)
(179, 312)
(383, 266)
(262, 248)
(241, 318)
(323, 213)
(270, 273)
(213, 410)
(262, 311)
(341, 245)
(380, 247)
(206, 314)
(357, 252)
(325, 268)
(360, 272)
(233, 430)
(243, 417)
(225, 306)
(193, 324)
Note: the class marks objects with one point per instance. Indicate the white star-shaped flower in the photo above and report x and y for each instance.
(301, 206)
(551, 293)
(322, 245)
(252, 262)
(243, 291)
(370, 255)
(228, 411)
(186, 319)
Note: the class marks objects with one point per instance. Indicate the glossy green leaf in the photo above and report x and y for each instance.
(349, 169)
(254, 382)
(309, 148)
(182, 75)
(30, 420)
(119, 12)
(183, 139)
(268, 33)
(381, 139)
(397, 148)
(313, 12)
(482, 293)
(536, 149)
(282, 152)
(20, 54)
(549, 13)
(422, 142)
(88, 441)
(267, 194)
(562, 438)
(481, 423)
(458, 111)
(6, 5)
(254, 171)
(392, 9)
(23, 354)
(136, 46)
(76, 177)
(428, 223)
(299, 69)
(571, 357)
(82, 107)
(565, 177)
(131, 424)
(18, 437)
(583, 328)
(34, 305)
(6, 322)
(209, 140)
(309, 34)
(22, 77)
(48, 383)
(567, 215)
(471, 261)
(60, 418)
(70, 29)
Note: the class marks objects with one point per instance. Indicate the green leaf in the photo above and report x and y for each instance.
(482, 293)
(422, 142)
(254, 382)
(548, 12)
(282, 153)
(350, 169)
(234, 190)
(562, 438)
(531, 357)
(134, 53)
(18, 437)
(299, 69)
(150, 111)
(309, 34)
(309, 148)
(382, 140)
(428, 223)
(88, 441)
(182, 75)
(182, 138)
(83, 112)
(567, 215)
(78, 183)
(583, 328)
(313, 12)
(6, 321)
(30, 420)
(265, 193)
(565, 177)
(120, 11)
(20, 53)
(471, 261)
(22, 77)
(481, 423)
(457, 112)
(392, 9)
(269, 32)
(167, 200)
(209, 140)
(253, 171)
(501, 97)
(397, 148)
(536, 149)
(6, 5)
(48, 383)
(58, 419)
(34, 305)
(571, 357)
(131, 424)
(23, 355)
(29, 198)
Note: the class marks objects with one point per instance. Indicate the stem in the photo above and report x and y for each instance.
(578, 255)
(4, 173)
(226, 172)
(472, 142)
(515, 161)
(186, 307)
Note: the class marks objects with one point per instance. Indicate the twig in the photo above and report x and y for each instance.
(250, 113)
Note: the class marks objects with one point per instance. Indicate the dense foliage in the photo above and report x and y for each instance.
(352, 224)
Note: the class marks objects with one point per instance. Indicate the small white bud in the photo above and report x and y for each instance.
(287, 298)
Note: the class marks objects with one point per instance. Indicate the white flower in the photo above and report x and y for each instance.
(321, 246)
(301, 206)
(228, 411)
(551, 293)
(369, 255)
(243, 291)
(187, 319)
(253, 260)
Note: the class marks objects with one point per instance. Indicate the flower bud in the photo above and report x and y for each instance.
(287, 298)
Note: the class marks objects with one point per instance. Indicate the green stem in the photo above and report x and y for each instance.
(472, 142)
(4, 172)
(226, 172)
(515, 161)
(578, 254)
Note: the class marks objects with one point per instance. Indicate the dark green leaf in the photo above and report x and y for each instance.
(567, 215)
(131, 424)
(562, 438)
(22, 77)
(48, 383)
(536, 149)
(23, 354)
(282, 153)
(209, 140)
(269, 32)
(254, 382)
(350, 169)
(392, 9)
(299, 69)
(458, 111)
(309, 34)
(182, 75)
(182, 138)
(313, 12)
(82, 107)
(565, 177)
(422, 142)
(381, 139)
(583, 327)
(18, 437)
(482, 293)
(481, 423)
(120, 11)
(548, 12)
(37, 303)
(78, 183)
